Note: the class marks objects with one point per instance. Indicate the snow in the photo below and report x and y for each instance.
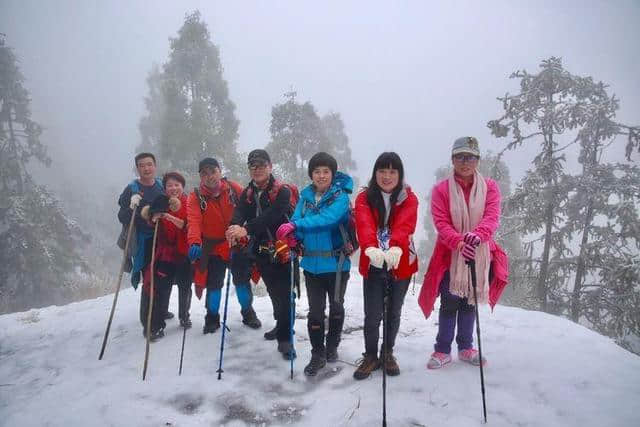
(542, 371)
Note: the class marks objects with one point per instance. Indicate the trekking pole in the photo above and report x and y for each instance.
(115, 297)
(385, 306)
(224, 321)
(184, 337)
(474, 283)
(151, 292)
(292, 298)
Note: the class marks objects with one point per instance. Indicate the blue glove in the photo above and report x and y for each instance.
(195, 252)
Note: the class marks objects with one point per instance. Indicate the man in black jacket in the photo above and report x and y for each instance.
(263, 206)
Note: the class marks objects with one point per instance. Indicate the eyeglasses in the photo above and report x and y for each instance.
(254, 168)
(465, 158)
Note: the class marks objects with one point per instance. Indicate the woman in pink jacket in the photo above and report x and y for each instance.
(466, 211)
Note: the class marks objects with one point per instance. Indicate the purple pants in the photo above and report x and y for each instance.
(452, 307)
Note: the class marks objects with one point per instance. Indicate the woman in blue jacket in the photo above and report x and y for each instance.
(320, 221)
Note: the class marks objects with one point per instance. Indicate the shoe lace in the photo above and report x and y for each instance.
(469, 353)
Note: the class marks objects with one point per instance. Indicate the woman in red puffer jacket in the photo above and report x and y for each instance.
(386, 213)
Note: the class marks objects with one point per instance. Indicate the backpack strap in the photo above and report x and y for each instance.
(233, 196)
(201, 198)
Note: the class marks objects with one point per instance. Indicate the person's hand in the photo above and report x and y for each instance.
(284, 230)
(157, 216)
(235, 233)
(135, 201)
(392, 257)
(195, 252)
(468, 252)
(376, 256)
(471, 238)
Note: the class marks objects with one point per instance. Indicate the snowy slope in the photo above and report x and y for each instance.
(542, 371)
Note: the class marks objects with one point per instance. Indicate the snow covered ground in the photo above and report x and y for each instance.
(542, 371)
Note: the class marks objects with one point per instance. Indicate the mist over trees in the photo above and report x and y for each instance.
(189, 111)
(297, 133)
(582, 230)
(40, 242)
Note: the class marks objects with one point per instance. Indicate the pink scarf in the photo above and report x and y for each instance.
(466, 218)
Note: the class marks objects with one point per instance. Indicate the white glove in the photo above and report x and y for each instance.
(135, 201)
(392, 256)
(376, 256)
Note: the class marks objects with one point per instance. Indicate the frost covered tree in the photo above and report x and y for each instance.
(189, 112)
(297, 133)
(39, 241)
(548, 106)
(602, 217)
(587, 224)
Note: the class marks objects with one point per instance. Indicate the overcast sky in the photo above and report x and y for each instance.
(405, 76)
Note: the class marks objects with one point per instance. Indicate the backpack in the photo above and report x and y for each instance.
(347, 230)
(273, 193)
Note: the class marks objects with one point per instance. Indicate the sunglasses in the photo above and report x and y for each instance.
(465, 158)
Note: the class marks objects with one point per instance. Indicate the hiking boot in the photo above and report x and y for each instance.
(169, 315)
(390, 364)
(250, 319)
(287, 350)
(438, 360)
(272, 334)
(156, 335)
(471, 356)
(316, 363)
(211, 324)
(332, 354)
(185, 322)
(368, 364)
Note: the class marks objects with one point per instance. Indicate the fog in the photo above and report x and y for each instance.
(409, 77)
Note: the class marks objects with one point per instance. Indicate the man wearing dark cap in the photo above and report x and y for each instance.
(209, 211)
(263, 206)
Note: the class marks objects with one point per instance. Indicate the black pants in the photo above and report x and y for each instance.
(183, 279)
(277, 278)
(162, 286)
(319, 287)
(373, 289)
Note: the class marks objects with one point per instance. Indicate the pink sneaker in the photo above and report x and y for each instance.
(471, 356)
(438, 360)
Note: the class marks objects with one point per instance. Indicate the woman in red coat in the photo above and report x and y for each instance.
(386, 213)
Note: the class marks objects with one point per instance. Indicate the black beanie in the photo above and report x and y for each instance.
(323, 159)
(208, 162)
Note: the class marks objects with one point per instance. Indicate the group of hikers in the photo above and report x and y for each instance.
(268, 229)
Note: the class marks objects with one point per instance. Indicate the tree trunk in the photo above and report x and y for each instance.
(544, 262)
(590, 163)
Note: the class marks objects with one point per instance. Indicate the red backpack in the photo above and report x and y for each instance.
(273, 193)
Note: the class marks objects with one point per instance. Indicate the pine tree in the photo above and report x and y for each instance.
(39, 239)
(297, 133)
(189, 112)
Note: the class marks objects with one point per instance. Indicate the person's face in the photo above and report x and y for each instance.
(210, 176)
(321, 178)
(387, 179)
(174, 188)
(260, 172)
(146, 168)
(464, 164)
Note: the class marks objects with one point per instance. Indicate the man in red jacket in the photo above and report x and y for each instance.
(209, 211)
